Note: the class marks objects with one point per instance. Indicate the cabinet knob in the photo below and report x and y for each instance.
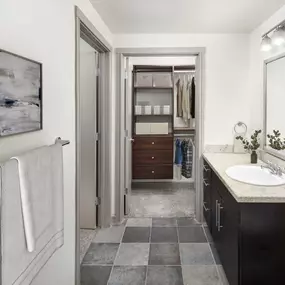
(152, 143)
(152, 157)
(152, 172)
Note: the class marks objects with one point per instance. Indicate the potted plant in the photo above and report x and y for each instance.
(275, 141)
(252, 145)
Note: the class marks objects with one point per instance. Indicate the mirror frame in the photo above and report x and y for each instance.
(266, 148)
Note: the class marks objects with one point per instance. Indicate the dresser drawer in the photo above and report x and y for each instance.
(153, 172)
(146, 157)
(153, 143)
(143, 172)
(163, 172)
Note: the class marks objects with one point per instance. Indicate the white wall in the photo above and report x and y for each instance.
(256, 67)
(226, 80)
(44, 30)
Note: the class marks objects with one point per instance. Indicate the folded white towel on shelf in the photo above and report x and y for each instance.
(32, 213)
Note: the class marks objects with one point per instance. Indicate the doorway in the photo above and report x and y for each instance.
(88, 130)
(124, 166)
(93, 163)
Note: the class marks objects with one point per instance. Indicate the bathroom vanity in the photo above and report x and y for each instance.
(247, 223)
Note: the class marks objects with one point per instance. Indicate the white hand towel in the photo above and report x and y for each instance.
(32, 213)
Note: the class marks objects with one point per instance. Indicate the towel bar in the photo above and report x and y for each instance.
(62, 142)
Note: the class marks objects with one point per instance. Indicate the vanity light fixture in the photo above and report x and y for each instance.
(266, 44)
(278, 37)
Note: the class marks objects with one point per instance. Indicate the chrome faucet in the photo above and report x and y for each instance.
(274, 168)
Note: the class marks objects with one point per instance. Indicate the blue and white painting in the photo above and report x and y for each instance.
(20, 95)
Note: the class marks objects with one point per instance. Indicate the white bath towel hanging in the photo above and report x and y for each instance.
(32, 213)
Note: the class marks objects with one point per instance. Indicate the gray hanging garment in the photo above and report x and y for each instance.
(192, 87)
(179, 112)
(187, 163)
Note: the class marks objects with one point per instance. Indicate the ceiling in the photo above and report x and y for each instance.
(185, 16)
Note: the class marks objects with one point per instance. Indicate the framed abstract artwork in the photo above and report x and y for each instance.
(20, 94)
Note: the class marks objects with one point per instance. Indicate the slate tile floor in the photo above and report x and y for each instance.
(153, 251)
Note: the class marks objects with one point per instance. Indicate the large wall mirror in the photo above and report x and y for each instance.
(274, 108)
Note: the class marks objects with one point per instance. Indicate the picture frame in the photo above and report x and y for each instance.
(21, 102)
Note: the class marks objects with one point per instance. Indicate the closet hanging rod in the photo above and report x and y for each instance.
(184, 135)
(184, 71)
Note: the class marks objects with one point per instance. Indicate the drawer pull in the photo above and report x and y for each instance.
(152, 143)
(205, 208)
(152, 172)
(205, 183)
(219, 217)
(205, 168)
(152, 157)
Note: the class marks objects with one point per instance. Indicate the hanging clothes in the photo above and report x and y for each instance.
(187, 163)
(178, 152)
(179, 112)
(185, 103)
(192, 90)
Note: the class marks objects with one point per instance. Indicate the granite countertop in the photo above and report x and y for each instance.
(242, 192)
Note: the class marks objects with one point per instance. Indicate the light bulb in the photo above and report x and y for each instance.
(278, 37)
(266, 44)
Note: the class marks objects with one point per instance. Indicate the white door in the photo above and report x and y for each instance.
(128, 134)
(87, 128)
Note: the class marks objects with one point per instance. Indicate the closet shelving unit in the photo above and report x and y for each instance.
(153, 153)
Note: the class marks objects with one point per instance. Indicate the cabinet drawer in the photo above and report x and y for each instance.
(206, 171)
(153, 143)
(163, 172)
(141, 157)
(143, 172)
(153, 172)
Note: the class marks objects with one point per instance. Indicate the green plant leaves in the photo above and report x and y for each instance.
(253, 144)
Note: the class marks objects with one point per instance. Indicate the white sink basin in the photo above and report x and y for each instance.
(255, 175)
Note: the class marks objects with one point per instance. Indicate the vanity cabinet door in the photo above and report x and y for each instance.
(215, 199)
(228, 233)
(207, 181)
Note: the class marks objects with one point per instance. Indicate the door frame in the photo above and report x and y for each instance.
(121, 53)
(84, 29)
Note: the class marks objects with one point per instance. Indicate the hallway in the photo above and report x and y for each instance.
(162, 200)
(152, 251)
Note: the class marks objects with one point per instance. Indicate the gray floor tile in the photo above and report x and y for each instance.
(139, 222)
(191, 234)
(110, 235)
(164, 222)
(86, 237)
(132, 254)
(159, 203)
(224, 280)
(101, 253)
(91, 275)
(128, 275)
(136, 234)
(164, 235)
(215, 253)
(200, 275)
(186, 222)
(164, 275)
(196, 254)
(208, 234)
(164, 254)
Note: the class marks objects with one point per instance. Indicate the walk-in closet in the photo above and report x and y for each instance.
(162, 100)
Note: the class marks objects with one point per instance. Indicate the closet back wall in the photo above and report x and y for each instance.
(226, 76)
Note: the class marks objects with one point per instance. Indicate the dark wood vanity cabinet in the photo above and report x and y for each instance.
(207, 178)
(249, 237)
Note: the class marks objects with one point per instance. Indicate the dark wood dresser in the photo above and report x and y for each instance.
(153, 157)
